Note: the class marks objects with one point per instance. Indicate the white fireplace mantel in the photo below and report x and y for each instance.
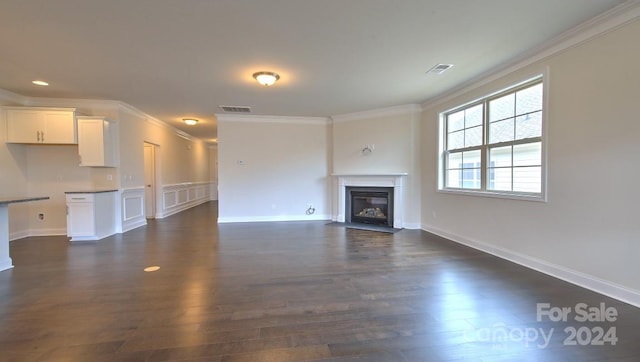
(395, 180)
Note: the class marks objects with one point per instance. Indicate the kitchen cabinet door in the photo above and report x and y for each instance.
(39, 125)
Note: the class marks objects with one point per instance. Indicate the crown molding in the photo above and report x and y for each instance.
(7, 96)
(377, 113)
(272, 119)
(597, 26)
(112, 105)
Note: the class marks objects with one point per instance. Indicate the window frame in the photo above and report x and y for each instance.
(540, 78)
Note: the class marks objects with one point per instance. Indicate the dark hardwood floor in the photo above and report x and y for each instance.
(289, 291)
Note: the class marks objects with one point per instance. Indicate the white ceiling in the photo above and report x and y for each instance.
(175, 59)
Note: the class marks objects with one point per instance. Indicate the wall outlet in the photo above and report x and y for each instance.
(41, 216)
(109, 177)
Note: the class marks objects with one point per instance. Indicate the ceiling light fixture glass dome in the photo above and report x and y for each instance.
(266, 78)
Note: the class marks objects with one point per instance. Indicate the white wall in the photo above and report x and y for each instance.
(179, 160)
(213, 170)
(588, 231)
(270, 168)
(52, 170)
(13, 170)
(394, 133)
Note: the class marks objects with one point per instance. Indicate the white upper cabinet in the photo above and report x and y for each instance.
(97, 142)
(41, 125)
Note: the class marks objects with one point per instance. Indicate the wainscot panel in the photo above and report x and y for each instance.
(132, 201)
(179, 197)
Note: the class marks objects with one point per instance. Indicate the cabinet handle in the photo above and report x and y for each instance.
(38, 135)
(42, 135)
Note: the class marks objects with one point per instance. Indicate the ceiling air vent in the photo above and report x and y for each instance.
(236, 109)
(439, 68)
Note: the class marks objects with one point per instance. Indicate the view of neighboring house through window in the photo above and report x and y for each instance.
(494, 145)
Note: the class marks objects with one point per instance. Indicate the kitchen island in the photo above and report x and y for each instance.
(5, 258)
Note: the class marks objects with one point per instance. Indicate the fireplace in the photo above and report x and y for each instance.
(369, 205)
(393, 181)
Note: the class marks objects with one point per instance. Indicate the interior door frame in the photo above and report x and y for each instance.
(151, 185)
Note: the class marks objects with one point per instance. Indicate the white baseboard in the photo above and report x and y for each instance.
(133, 224)
(587, 281)
(37, 232)
(48, 232)
(19, 235)
(412, 226)
(6, 264)
(233, 219)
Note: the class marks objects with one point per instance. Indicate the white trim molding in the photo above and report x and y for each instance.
(213, 191)
(395, 180)
(48, 232)
(8, 96)
(21, 234)
(378, 113)
(320, 121)
(232, 219)
(179, 197)
(132, 208)
(590, 282)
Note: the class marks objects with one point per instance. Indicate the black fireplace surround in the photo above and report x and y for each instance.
(369, 205)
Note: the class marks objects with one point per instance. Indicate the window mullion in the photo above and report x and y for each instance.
(516, 142)
(484, 173)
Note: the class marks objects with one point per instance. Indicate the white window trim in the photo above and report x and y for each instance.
(542, 196)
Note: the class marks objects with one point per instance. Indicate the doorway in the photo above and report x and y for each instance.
(150, 153)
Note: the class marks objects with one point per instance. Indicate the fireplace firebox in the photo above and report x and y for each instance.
(369, 205)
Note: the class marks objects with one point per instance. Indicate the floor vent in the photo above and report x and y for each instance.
(236, 109)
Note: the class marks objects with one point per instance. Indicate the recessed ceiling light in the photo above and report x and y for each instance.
(190, 121)
(152, 268)
(40, 82)
(266, 78)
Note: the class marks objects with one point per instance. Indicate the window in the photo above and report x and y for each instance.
(494, 145)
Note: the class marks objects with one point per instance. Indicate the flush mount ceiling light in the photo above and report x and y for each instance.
(40, 82)
(190, 121)
(266, 78)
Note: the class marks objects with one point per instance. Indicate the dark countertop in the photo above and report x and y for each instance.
(90, 191)
(5, 200)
